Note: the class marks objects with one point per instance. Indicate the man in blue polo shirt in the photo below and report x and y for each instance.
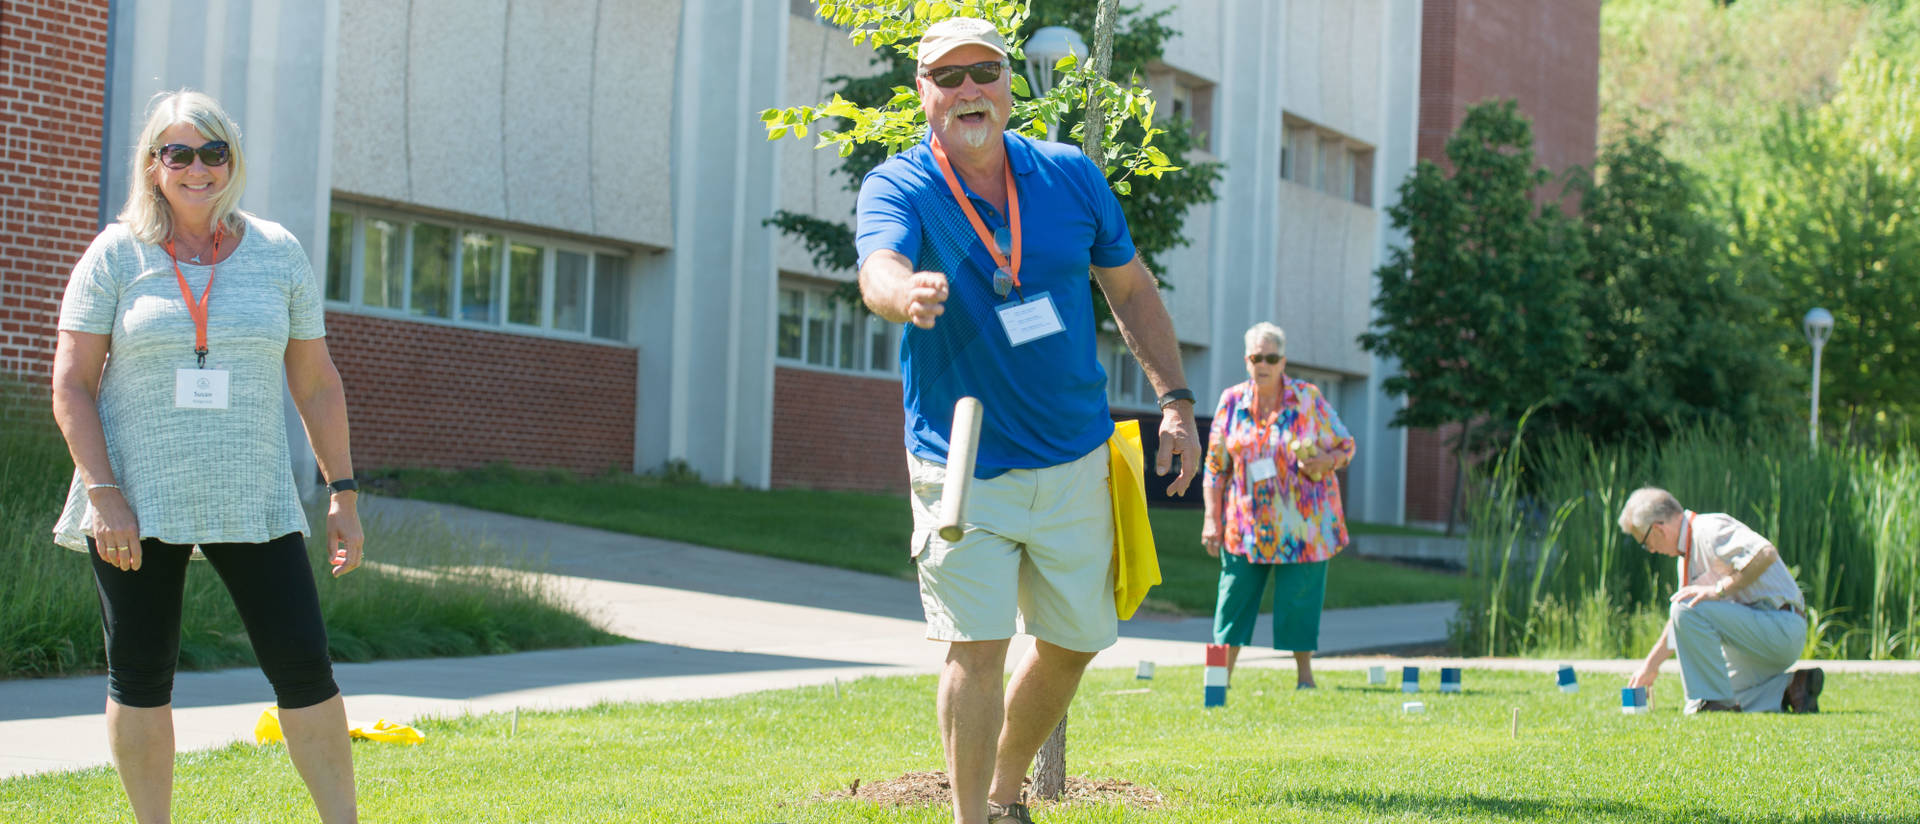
(982, 241)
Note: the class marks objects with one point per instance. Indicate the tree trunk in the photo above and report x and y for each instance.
(1096, 122)
(1460, 452)
(1050, 765)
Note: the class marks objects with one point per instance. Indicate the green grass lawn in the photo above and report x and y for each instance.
(860, 531)
(1343, 753)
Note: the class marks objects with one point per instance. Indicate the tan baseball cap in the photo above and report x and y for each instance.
(954, 32)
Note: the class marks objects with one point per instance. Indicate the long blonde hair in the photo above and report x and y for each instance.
(147, 214)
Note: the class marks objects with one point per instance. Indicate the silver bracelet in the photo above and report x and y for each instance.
(92, 487)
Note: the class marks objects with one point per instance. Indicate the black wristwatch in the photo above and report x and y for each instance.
(1176, 396)
(343, 485)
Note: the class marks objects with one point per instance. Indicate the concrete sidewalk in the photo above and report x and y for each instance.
(716, 623)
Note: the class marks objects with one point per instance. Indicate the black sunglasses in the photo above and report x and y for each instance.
(180, 156)
(1267, 358)
(950, 77)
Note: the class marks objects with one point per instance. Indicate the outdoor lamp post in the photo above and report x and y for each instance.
(1819, 327)
(1044, 49)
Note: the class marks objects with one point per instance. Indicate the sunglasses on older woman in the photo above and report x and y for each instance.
(950, 77)
(180, 155)
(1269, 358)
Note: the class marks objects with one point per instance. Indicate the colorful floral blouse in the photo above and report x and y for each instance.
(1288, 518)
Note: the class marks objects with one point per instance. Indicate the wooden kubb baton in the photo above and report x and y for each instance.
(963, 445)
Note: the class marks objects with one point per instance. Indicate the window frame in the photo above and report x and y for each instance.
(1326, 161)
(840, 315)
(1118, 361)
(549, 246)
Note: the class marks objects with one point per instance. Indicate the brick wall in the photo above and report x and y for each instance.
(421, 394)
(1546, 56)
(833, 431)
(53, 58)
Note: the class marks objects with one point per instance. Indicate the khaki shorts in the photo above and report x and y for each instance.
(1036, 556)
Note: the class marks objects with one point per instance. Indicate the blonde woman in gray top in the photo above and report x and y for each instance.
(1738, 620)
(174, 333)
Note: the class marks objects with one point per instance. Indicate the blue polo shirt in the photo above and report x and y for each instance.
(1045, 400)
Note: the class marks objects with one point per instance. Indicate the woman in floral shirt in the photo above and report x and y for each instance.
(1273, 502)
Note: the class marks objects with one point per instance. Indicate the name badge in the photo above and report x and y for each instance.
(200, 388)
(1260, 469)
(1030, 320)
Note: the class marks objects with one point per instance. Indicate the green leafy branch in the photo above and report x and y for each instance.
(899, 123)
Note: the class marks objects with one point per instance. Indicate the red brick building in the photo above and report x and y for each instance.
(1546, 56)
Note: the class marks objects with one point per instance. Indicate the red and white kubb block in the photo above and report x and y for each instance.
(1216, 677)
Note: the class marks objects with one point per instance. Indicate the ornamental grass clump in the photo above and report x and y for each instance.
(1548, 562)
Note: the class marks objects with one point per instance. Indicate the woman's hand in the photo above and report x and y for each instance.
(1319, 465)
(344, 538)
(116, 531)
(1210, 536)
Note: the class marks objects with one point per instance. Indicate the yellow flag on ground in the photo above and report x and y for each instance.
(267, 730)
(1136, 565)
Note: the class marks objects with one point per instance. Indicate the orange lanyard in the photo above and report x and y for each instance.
(973, 217)
(198, 309)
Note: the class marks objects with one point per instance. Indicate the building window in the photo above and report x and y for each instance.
(475, 276)
(1127, 384)
(1185, 97)
(818, 329)
(383, 263)
(1326, 161)
(339, 256)
(526, 281)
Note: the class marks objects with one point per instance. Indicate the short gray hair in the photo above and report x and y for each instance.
(1647, 506)
(147, 214)
(1267, 331)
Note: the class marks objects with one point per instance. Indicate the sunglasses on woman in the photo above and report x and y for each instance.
(180, 155)
(1270, 359)
(950, 77)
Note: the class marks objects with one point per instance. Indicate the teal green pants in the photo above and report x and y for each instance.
(1299, 593)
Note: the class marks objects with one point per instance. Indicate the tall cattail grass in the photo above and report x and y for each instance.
(1554, 575)
(50, 615)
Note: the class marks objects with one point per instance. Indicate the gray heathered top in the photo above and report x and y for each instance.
(195, 476)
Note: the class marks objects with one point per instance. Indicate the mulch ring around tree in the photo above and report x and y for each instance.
(931, 787)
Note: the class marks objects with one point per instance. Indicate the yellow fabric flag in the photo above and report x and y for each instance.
(267, 730)
(1136, 565)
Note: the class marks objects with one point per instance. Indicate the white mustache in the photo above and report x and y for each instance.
(985, 107)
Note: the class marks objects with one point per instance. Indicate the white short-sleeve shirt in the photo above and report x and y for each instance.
(1718, 545)
(195, 476)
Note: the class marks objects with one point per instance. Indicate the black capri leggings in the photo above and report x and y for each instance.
(271, 585)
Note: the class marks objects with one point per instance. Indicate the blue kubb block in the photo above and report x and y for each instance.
(1216, 696)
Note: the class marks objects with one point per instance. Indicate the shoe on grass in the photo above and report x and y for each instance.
(1013, 813)
(1803, 692)
(1718, 706)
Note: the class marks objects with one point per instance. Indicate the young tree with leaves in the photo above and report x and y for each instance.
(1481, 310)
(1155, 201)
(1676, 330)
(1831, 208)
